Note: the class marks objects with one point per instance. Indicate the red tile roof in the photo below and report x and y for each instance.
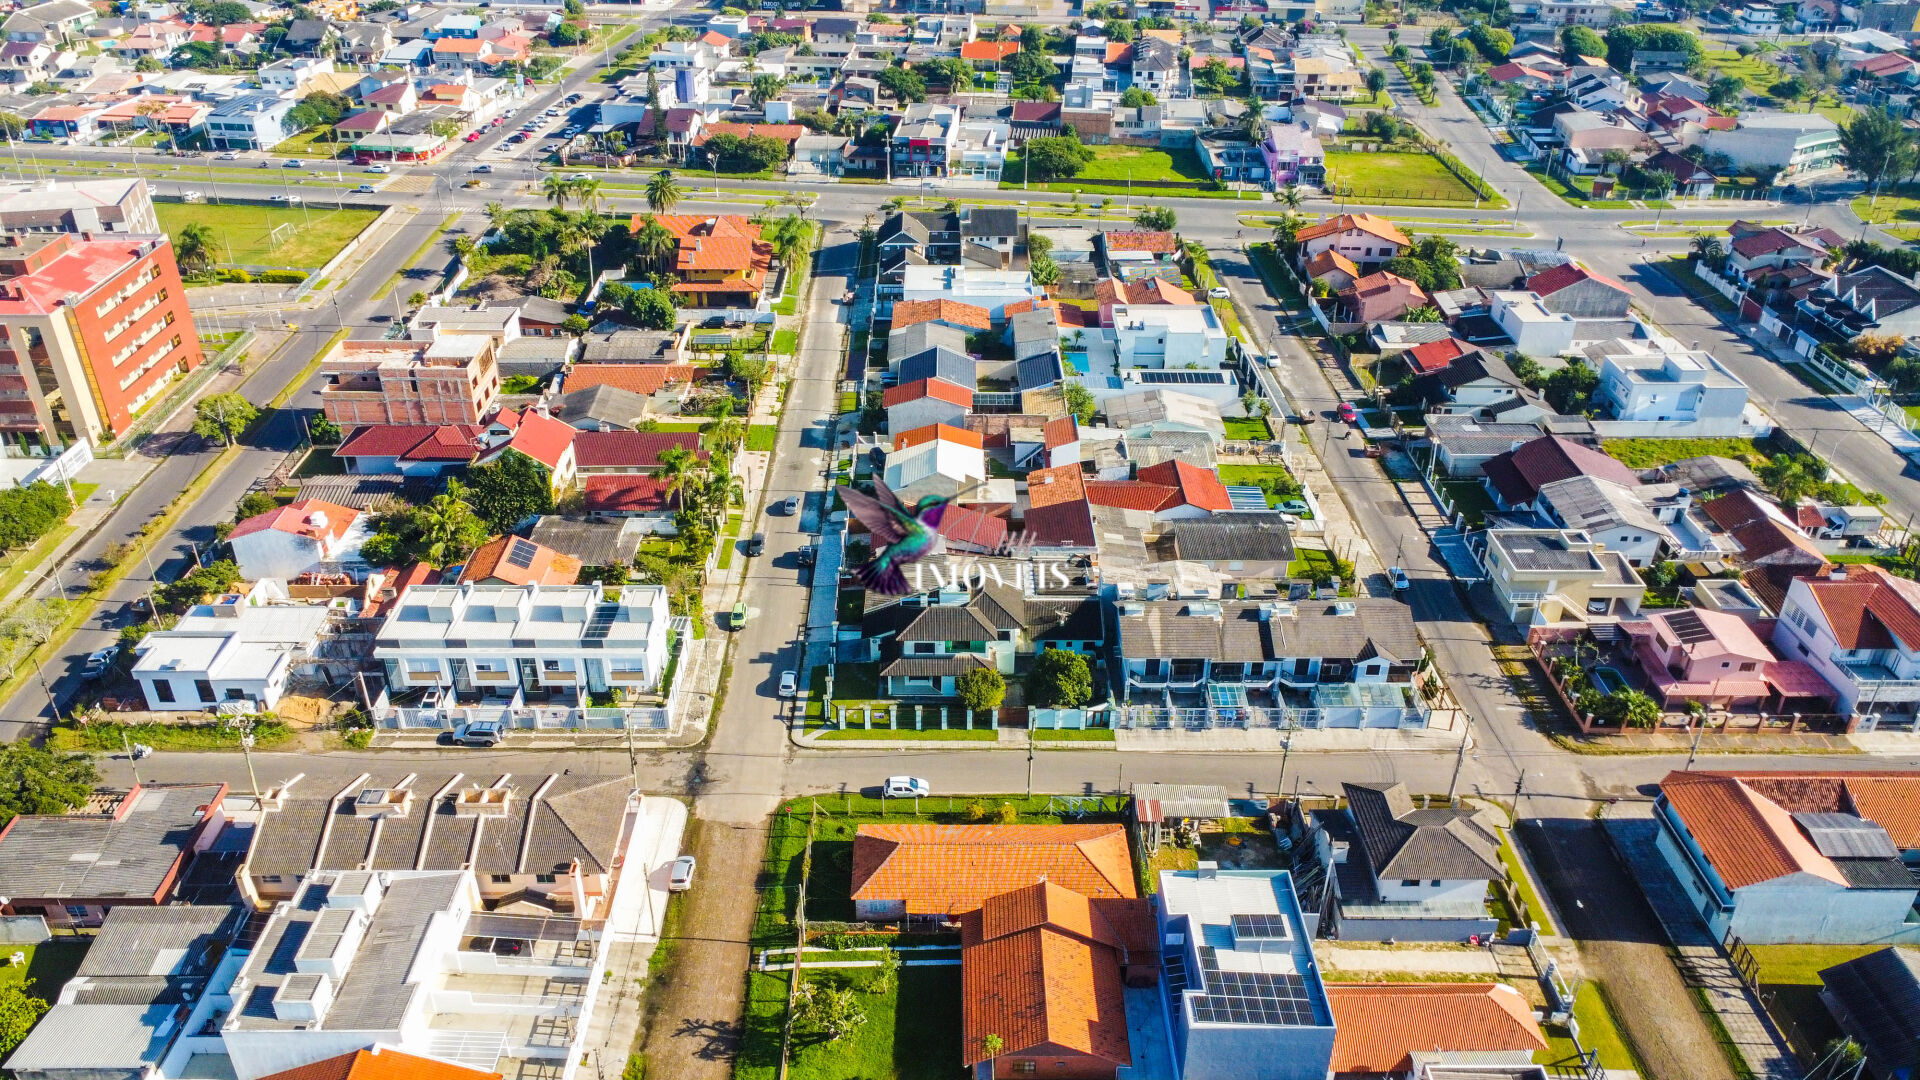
(941, 389)
(1059, 432)
(1746, 837)
(1871, 609)
(1045, 988)
(542, 438)
(1432, 356)
(295, 518)
(628, 493)
(1378, 1025)
(912, 312)
(715, 37)
(381, 1063)
(629, 449)
(639, 378)
(1158, 243)
(1131, 494)
(786, 133)
(1520, 473)
(948, 869)
(1051, 487)
(967, 529)
(1197, 486)
(543, 565)
(1367, 223)
(1548, 282)
(941, 433)
(992, 51)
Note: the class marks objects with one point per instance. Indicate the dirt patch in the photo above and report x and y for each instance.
(1241, 851)
(302, 712)
(693, 1001)
(1622, 946)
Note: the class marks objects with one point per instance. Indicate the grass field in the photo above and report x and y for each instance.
(1142, 163)
(1801, 964)
(1592, 1011)
(48, 966)
(1252, 428)
(241, 233)
(1395, 175)
(912, 1033)
(113, 737)
(1895, 205)
(1649, 453)
(1758, 74)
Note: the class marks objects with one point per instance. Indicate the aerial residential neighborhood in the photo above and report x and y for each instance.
(884, 540)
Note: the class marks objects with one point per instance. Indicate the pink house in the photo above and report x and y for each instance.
(1381, 297)
(1716, 659)
(1294, 155)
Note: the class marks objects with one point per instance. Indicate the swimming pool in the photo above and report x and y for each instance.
(1608, 681)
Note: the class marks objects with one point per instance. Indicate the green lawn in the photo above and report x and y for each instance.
(907, 733)
(1650, 453)
(1758, 74)
(108, 737)
(48, 966)
(241, 233)
(1312, 563)
(1469, 497)
(1895, 205)
(1598, 1031)
(1142, 163)
(760, 437)
(1395, 176)
(1248, 428)
(1802, 964)
(1278, 484)
(786, 342)
(910, 1034)
(1523, 885)
(320, 463)
(1073, 735)
(314, 142)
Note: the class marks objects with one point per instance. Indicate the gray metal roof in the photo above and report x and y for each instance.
(938, 363)
(105, 1037)
(97, 856)
(595, 543)
(1236, 631)
(1876, 998)
(156, 941)
(603, 404)
(1844, 836)
(920, 337)
(1402, 841)
(1260, 538)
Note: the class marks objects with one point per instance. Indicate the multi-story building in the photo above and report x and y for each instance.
(451, 380)
(524, 642)
(1643, 382)
(1862, 634)
(78, 206)
(1794, 143)
(1167, 336)
(1553, 575)
(250, 122)
(91, 330)
(926, 141)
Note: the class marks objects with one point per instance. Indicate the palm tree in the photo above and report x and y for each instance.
(677, 469)
(444, 523)
(498, 215)
(663, 193)
(654, 241)
(195, 248)
(1287, 231)
(787, 235)
(558, 191)
(1290, 195)
(1708, 247)
(587, 191)
(765, 88)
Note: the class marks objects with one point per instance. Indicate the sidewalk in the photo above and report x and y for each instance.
(1261, 740)
(1702, 964)
(632, 931)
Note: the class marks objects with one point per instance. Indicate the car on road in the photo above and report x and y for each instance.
(379, 170)
(480, 733)
(791, 506)
(99, 662)
(483, 167)
(365, 189)
(517, 137)
(1399, 578)
(192, 196)
(739, 620)
(680, 874)
(1219, 292)
(758, 544)
(228, 156)
(1348, 413)
(293, 163)
(905, 787)
(806, 555)
(579, 176)
(789, 684)
(289, 199)
(473, 136)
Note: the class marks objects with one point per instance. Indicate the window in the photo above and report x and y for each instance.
(501, 879)
(1409, 883)
(204, 688)
(163, 689)
(78, 911)
(234, 693)
(1434, 884)
(544, 879)
(1025, 1066)
(1749, 666)
(271, 878)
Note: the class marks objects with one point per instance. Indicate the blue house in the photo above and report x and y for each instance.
(1244, 996)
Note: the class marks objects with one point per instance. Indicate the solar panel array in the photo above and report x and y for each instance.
(1689, 628)
(1209, 377)
(1261, 927)
(1251, 997)
(520, 553)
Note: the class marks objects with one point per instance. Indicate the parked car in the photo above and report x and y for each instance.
(1348, 413)
(806, 555)
(192, 196)
(1219, 292)
(758, 544)
(228, 156)
(473, 136)
(905, 787)
(99, 662)
(1400, 582)
(1293, 506)
(680, 876)
(380, 169)
(480, 733)
(739, 620)
(789, 684)
(289, 199)
(791, 506)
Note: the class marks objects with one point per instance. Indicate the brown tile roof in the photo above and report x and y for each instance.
(1737, 508)
(1197, 486)
(1159, 243)
(1746, 836)
(625, 493)
(381, 1063)
(638, 378)
(1060, 431)
(531, 563)
(912, 312)
(786, 133)
(1367, 223)
(1768, 539)
(941, 433)
(1050, 487)
(1519, 474)
(1131, 494)
(939, 389)
(1378, 1025)
(1330, 260)
(1871, 609)
(948, 869)
(629, 449)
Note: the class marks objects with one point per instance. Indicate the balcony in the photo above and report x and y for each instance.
(559, 678)
(1877, 680)
(492, 678)
(628, 675)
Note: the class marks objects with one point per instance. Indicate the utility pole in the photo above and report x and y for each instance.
(1286, 751)
(246, 748)
(1029, 762)
(1699, 727)
(1460, 759)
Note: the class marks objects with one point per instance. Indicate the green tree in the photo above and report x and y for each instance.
(19, 1011)
(219, 12)
(323, 431)
(1137, 97)
(904, 84)
(652, 309)
(1043, 270)
(1708, 247)
(1878, 147)
(193, 248)
(223, 417)
(1492, 42)
(1157, 219)
(981, 689)
(1376, 81)
(832, 1011)
(193, 588)
(1027, 66)
(765, 88)
(1578, 41)
(1726, 91)
(663, 192)
(1052, 157)
(1570, 389)
(253, 504)
(508, 490)
(1059, 679)
(1078, 400)
(35, 780)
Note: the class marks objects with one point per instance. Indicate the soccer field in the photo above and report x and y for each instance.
(242, 235)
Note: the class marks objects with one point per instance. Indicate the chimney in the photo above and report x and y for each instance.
(1207, 870)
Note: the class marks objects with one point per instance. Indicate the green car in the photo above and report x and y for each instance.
(740, 616)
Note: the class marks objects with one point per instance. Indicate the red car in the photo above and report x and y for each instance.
(1348, 413)
(473, 136)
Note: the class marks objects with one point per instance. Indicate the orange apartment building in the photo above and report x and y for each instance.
(93, 327)
(453, 380)
(721, 261)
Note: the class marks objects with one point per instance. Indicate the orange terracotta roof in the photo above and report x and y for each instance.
(726, 242)
(993, 51)
(1051, 487)
(1871, 609)
(939, 432)
(940, 389)
(948, 869)
(1043, 991)
(1330, 260)
(297, 518)
(913, 312)
(1889, 798)
(381, 1064)
(1746, 837)
(1367, 223)
(1131, 494)
(542, 438)
(639, 378)
(1119, 52)
(1160, 243)
(1378, 1025)
(1197, 486)
(1060, 431)
(531, 563)
(786, 133)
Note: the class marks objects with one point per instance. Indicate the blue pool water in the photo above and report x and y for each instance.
(1608, 681)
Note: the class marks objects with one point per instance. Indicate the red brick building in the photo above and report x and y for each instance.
(92, 329)
(452, 380)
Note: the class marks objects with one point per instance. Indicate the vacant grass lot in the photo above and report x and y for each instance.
(1802, 964)
(1395, 175)
(1895, 205)
(1142, 163)
(1758, 74)
(1597, 1032)
(1248, 428)
(1651, 453)
(912, 1033)
(241, 233)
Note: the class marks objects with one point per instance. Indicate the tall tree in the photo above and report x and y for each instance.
(34, 780)
(663, 192)
(193, 248)
(223, 417)
(510, 489)
(1878, 147)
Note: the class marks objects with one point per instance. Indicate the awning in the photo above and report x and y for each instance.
(522, 927)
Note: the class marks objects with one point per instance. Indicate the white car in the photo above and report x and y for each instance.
(381, 170)
(579, 176)
(480, 733)
(680, 874)
(1219, 292)
(905, 787)
(789, 684)
(192, 196)
(365, 189)
(284, 198)
(228, 156)
(1400, 582)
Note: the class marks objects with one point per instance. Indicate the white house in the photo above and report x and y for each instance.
(1862, 634)
(506, 641)
(288, 76)
(237, 650)
(1642, 381)
(1424, 869)
(975, 285)
(1609, 514)
(940, 460)
(1535, 330)
(1167, 336)
(1792, 142)
(1759, 20)
(308, 536)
